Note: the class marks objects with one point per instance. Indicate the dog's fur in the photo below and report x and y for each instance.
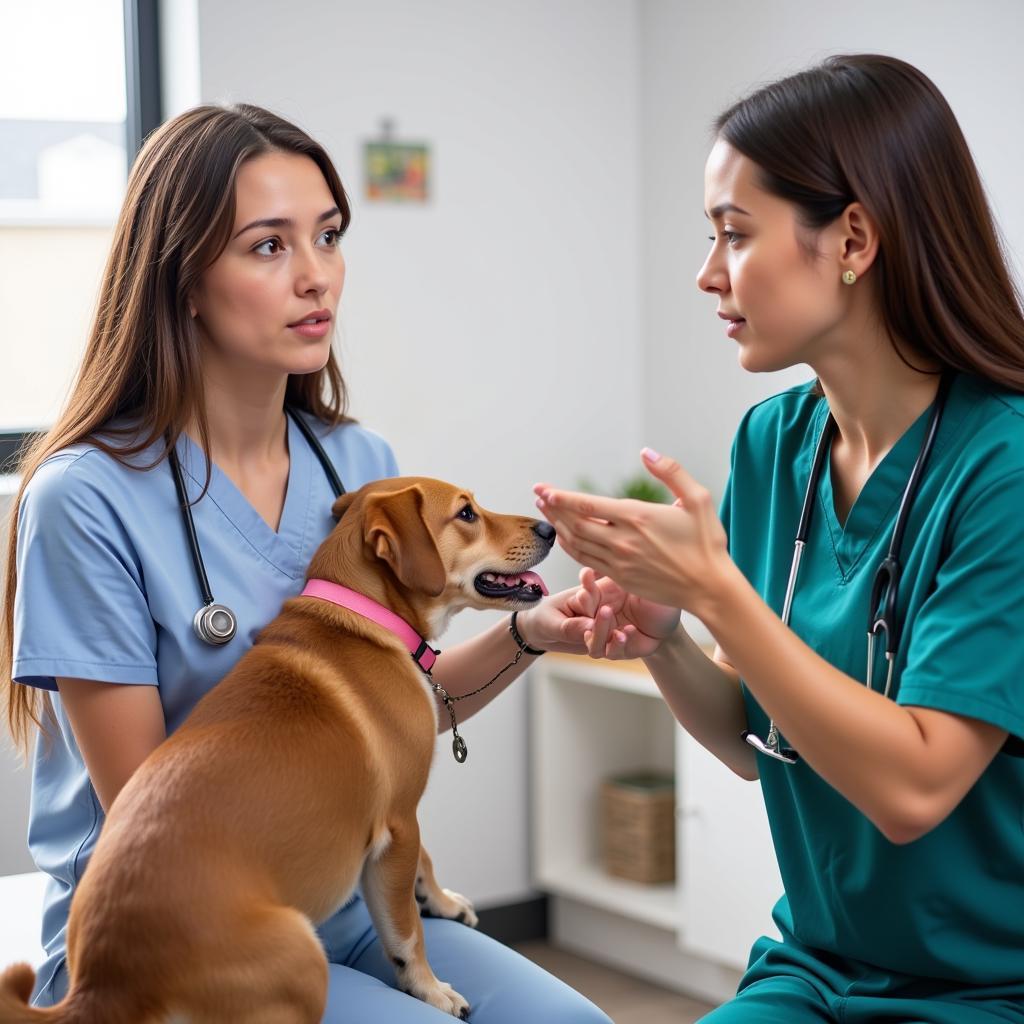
(294, 779)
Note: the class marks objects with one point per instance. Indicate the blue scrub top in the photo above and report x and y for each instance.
(948, 905)
(106, 591)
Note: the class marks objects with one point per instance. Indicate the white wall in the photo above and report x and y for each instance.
(492, 335)
(697, 60)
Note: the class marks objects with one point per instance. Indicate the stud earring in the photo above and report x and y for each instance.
(849, 277)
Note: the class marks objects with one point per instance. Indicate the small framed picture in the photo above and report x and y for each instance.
(397, 172)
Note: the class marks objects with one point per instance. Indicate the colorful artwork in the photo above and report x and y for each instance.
(397, 172)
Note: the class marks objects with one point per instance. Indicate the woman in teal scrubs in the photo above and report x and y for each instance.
(852, 234)
(227, 245)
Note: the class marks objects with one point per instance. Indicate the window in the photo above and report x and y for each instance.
(78, 91)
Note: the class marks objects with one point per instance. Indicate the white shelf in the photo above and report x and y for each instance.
(657, 905)
(625, 676)
(595, 721)
(590, 721)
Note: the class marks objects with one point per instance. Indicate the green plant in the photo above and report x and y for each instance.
(644, 488)
(641, 487)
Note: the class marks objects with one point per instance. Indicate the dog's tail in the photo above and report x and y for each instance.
(78, 1008)
(15, 991)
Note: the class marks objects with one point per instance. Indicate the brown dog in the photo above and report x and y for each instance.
(294, 779)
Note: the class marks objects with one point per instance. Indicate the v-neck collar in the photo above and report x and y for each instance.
(875, 507)
(283, 548)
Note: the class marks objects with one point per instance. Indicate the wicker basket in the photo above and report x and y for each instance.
(638, 830)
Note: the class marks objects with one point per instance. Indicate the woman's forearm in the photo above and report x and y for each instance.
(472, 663)
(705, 698)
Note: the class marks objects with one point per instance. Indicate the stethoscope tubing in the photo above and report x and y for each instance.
(190, 529)
(887, 576)
(214, 623)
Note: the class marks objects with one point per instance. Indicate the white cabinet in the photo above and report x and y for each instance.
(592, 720)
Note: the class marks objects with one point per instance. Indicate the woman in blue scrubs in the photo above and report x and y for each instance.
(217, 305)
(851, 233)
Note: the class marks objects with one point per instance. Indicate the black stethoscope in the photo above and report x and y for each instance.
(215, 623)
(882, 614)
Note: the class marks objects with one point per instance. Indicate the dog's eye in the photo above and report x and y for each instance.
(467, 514)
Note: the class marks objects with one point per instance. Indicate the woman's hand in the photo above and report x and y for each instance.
(561, 622)
(672, 555)
(625, 626)
(598, 618)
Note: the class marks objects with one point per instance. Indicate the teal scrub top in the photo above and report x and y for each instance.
(951, 904)
(107, 591)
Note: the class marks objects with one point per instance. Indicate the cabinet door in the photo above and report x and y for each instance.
(726, 863)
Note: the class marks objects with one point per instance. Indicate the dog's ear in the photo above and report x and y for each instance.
(396, 530)
(341, 503)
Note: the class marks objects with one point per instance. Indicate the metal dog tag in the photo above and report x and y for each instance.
(459, 749)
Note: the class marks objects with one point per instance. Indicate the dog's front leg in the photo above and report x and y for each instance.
(389, 876)
(438, 902)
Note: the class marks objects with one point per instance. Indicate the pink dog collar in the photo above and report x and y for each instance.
(422, 653)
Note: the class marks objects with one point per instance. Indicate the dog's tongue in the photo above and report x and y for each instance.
(531, 579)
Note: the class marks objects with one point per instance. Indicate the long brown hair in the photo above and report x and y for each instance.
(875, 130)
(142, 360)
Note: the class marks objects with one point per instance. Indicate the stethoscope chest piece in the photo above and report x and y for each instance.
(215, 624)
(772, 747)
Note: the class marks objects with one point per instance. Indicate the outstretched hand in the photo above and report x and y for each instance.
(670, 555)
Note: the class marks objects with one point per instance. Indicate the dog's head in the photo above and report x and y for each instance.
(427, 549)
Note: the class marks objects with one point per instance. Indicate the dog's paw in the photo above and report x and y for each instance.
(443, 997)
(438, 994)
(445, 903)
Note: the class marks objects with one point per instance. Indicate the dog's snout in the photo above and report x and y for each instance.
(545, 531)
